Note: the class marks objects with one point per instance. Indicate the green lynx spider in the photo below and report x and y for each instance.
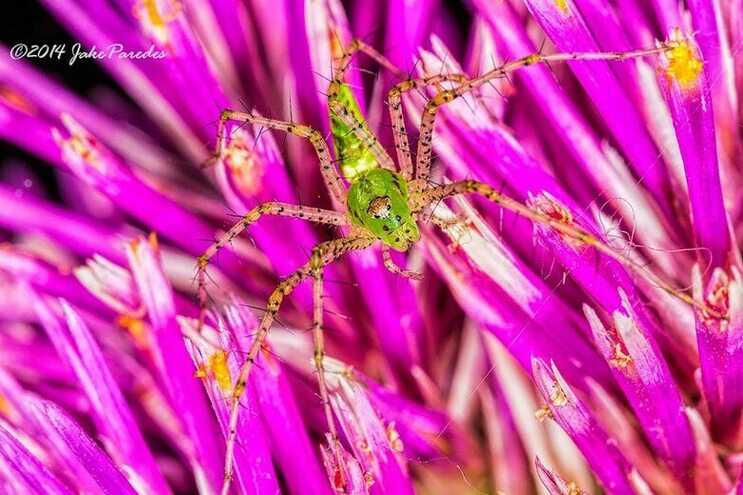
(382, 206)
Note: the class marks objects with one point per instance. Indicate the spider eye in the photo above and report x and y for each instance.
(380, 207)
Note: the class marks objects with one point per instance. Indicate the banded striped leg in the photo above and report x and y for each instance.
(332, 179)
(425, 145)
(322, 255)
(317, 215)
(390, 264)
(358, 45)
(319, 356)
(556, 217)
(394, 103)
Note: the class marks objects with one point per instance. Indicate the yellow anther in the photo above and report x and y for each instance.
(221, 371)
(5, 408)
(562, 5)
(620, 358)
(394, 438)
(155, 21)
(217, 367)
(543, 413)
(80, 146)
(718, 300)
(573, 488)
(136, 328)
(152, 239)
(558, 397)
(684, 66)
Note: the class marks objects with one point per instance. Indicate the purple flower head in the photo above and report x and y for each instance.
(200, 294)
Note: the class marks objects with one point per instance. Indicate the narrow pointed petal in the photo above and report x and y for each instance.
(720, 350)
(113, 418)
(255, 473)
(571, 414)
(176, 368)
(510, 465)
(369, 438)
(619, 422)
(24, 213)
(554, 483)
(647, 383)
(564, 24)
(93, 470)
(709, 25)
(290, 441)
(24, 472)
(710, 475)
(688, 95)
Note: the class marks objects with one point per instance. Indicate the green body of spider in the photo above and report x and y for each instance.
(378, 198)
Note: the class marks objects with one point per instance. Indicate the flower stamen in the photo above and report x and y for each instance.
(684, 66)
(154, 21)
(620, 359)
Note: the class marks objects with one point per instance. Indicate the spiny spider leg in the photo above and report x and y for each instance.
(399, 133)
(332, 179)
(317, 215)
(394, 104)
(319, 355)
(570, 230)
(322, 255)
(358, 45)
(390, 264)
(425, 145)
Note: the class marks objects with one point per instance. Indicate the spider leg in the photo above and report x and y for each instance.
(319, 355)
(330, 174)
(425, 144)
(317, 215)
(394, 95)
(358, 45)
(394, 104)
(390, 264)
(322, 255)
(566, 228)
(455, 228)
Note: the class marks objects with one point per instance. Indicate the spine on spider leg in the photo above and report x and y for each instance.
(355, 156)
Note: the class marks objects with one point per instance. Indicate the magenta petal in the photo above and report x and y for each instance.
(113, 418)
(372, 442)
(91, 467)
(175, 366)
(568, 31)
(23, 470)
(609, 465)
(690, 102)
(269, 387)
(253, 466)
(553, 482)
(720, 351)
(647, 383)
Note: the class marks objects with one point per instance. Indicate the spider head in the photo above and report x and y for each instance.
(378, 202)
